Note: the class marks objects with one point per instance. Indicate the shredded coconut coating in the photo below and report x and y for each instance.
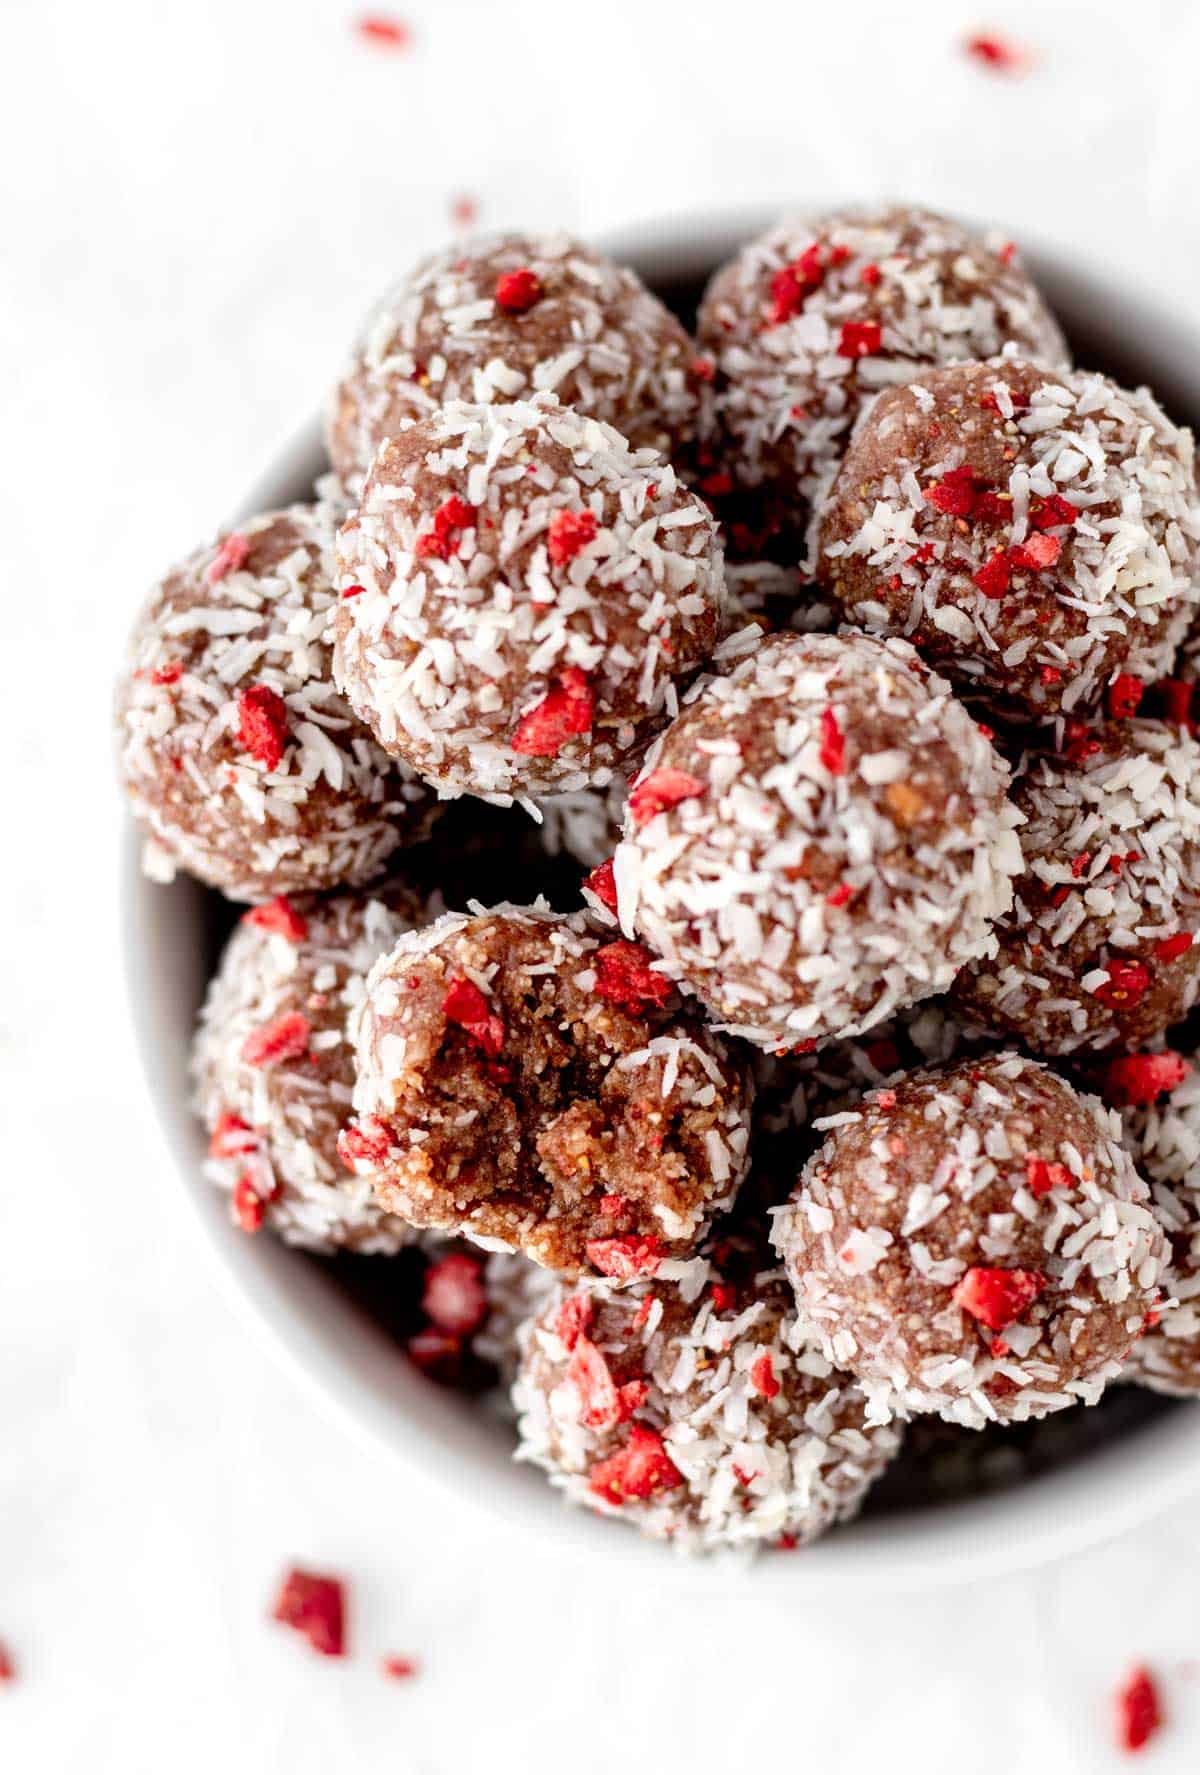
(950, 1187)
(1165, 1142)
(810, 321)
(516, 1289)
(845, 850)
(1034, 534)
(763, 1442)
(594, 335)
(533, 645)
(293, 1108)
(538, 1094)
(1099, 946)
(333, 807)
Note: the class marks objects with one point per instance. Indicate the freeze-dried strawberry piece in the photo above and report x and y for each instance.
(518, 291)
(661, 791)
(572, 1319)
(230, 557)
(637, 1471)
(625, 1258)
(569, 533)
(839, 895)
(314, 1605)
(1176, 695)
(859, 338)
(602, 883)
(614, 1206)
(263, 724)
(281, 917)
(442, 540)
(1042, 1175)
(171, 673)
(248, 1206)
(1171, 948)
(870, 275)
(399, 1668)
(1140, 1078)
(364, 1143)
(230, 1137)
(833, 745)
(994, 576)
(626, 977)
(763, 1378)
(466, 1006)
(791, 286)
(996, 53)
(704, 369)
(1049, 513)
(592, 1379)
(1037, 552)
(436, 1353)
(8, 1668)
(284, 1038)
(957, 491)
(724, 1296)
(1139, 1710)
(566, 710)
(454, 1298)
(1124, 694)
(1078, 743)
(1126, 985)
(997, 1298)
(384, 32)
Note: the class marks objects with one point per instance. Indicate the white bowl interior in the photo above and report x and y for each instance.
(334, 1344)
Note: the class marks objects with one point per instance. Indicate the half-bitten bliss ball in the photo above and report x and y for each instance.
(1034, 534)
(241, 760)
(1100, 946)
(695, 1409)
(522, 594)
(821, 838)
(274, 1068)
(504, 317)
(974, 1242)
(524, 1082)
(812, 319)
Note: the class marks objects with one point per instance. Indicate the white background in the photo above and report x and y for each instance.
(197, 201)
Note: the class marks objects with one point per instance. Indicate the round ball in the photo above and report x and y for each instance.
(240, 759)
(812, 319)
(974, 1242)
(1099, 948)
(820, 839)
(525, 1083)
(500, 318)
(521, 596)
(273, 1067)
(1034, 534)
(697, 1413)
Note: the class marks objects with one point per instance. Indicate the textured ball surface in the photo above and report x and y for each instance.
(1164, 1138)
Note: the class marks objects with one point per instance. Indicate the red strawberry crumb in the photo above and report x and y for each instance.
(1080, 864)
(1037, 552)
(230, 557)
(723, 1297)
(1048, 513)
(284, 1038)
(626, 977)
(384, 32)
(763, 1377)
(957, 491)
(364, 1143)
(518, 291)
(248, 1205)
(998, 1298)
(442, 540)
(994, 576)
(840, 894)
(860, 338)
(1050, 675)
(614, 1206)
(1078, 744)
(643, 1312)
(354, 591)
(1139, 1710)
(262, 724)
(870, 275)
(661, 791)
(572, 1319)
(565, 711)
(625, 1258)
(399, 1668)
(787, 1543)
(8, 1668)
(588, 1372)
(314, 1605)
(704, 369)
(718, 485)
(637, 1471)
(1043, 1176)
(453, 1298)
(464, 211)
(1126, 985)
(996, 53)
(602, 883)
(230, 1137)
(1176, 696)
(436, 1353)
(1140, 1078)
(570, 532)
(833, 744)
(280, 917)
(1124, 694)
(466, 1006)
(1171, 948)
(171, 673)
(998, 1348)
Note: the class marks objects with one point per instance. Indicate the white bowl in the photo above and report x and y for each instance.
(348, 1359)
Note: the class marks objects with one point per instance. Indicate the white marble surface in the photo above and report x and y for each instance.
(195, 203)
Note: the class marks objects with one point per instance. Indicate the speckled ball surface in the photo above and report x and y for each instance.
(820, 839)
(273, 1067)
(974, 1242)
(698, 1414)
(1164, 1138)
(1099, 948)
(815, 317)
(241, 761)
(504, 317)
(522, 596)
(1035, 534)
(527, 1083)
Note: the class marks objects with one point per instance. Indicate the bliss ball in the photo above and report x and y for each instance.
(695, 1410)
(522, 596)
(505, 318)
(273, 1067)
(811, 320)
(821, 838)
(524, 1082)
(242, 762)
(1099, 947)
(1036, 534)
(974, 1242)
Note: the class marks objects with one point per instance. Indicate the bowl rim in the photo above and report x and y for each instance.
(349, 1365)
